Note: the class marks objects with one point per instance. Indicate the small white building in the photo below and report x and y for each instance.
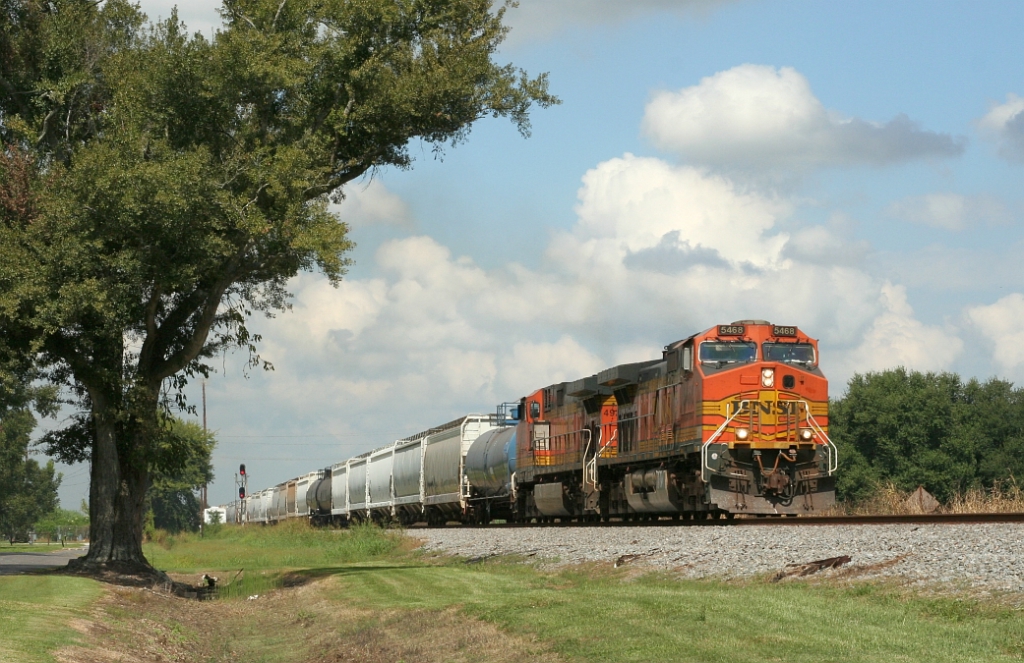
(208, 514)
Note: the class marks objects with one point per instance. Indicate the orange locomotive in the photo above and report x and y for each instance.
(731, 420)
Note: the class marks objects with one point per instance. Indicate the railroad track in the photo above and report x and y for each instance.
(922, 518)
(770, 521)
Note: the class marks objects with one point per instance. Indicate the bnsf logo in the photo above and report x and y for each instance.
(766, 407)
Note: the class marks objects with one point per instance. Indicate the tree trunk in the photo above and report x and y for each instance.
(104, 479)
(117, 490)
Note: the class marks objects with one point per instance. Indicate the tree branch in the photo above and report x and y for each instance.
(152, 331)
(273, 24)
(336, 181)
(82, 369)
(177, 318)
(46, 126)
(193, 345)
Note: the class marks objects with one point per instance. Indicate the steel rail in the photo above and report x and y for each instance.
(888, 519)
(769, 521)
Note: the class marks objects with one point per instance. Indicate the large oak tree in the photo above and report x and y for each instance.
(158, 187)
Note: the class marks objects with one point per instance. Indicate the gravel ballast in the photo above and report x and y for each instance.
(986, 557)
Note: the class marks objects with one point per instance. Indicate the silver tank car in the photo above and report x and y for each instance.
(318, 497)
(491, 462)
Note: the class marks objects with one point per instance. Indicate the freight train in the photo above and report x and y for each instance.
(731, 420)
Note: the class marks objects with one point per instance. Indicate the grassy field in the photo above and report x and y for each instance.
(37, 547)
(265, 555)
(35, 613)
(598, 613)
(366, 595)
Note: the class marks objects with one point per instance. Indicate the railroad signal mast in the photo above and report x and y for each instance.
(242, 484)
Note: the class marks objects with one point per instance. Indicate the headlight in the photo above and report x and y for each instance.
(806, 434)
(768, 377)
(742, 433)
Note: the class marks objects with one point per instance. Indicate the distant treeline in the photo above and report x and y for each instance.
(929, 429)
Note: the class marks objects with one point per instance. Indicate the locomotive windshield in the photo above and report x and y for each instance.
(727, 352)
(789, 353)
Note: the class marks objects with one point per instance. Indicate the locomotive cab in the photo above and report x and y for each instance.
(766, 448)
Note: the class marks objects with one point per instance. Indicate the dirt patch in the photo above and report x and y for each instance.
(425, 637)
(140, 625)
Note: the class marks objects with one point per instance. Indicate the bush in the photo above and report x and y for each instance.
(910, 429)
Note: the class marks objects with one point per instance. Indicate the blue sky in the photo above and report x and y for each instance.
(851, 168)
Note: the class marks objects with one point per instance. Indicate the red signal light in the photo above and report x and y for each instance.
(241, 492)
(241, 469)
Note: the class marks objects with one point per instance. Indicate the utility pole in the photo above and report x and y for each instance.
(203, 503)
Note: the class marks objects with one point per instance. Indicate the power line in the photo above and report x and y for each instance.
(293, 436)
(302, 444)
(250, 458)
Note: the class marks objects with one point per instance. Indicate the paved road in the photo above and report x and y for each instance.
(15, 563)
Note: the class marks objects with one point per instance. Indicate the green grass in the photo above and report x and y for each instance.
(605, 616)
(35, 611)
(267, 554)
(37, 547)
(600, 614)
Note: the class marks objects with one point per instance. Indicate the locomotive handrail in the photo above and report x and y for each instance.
(591, 465)
(590, 437)
(714, 436)
(560, 437)
(586, 463)
(833, 451)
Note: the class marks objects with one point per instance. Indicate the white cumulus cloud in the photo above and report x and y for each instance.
(760, 116)
(371, 203)
(1004, 124)
(897, 338)
(530, 365)
(1002, 323)
(636, 208)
